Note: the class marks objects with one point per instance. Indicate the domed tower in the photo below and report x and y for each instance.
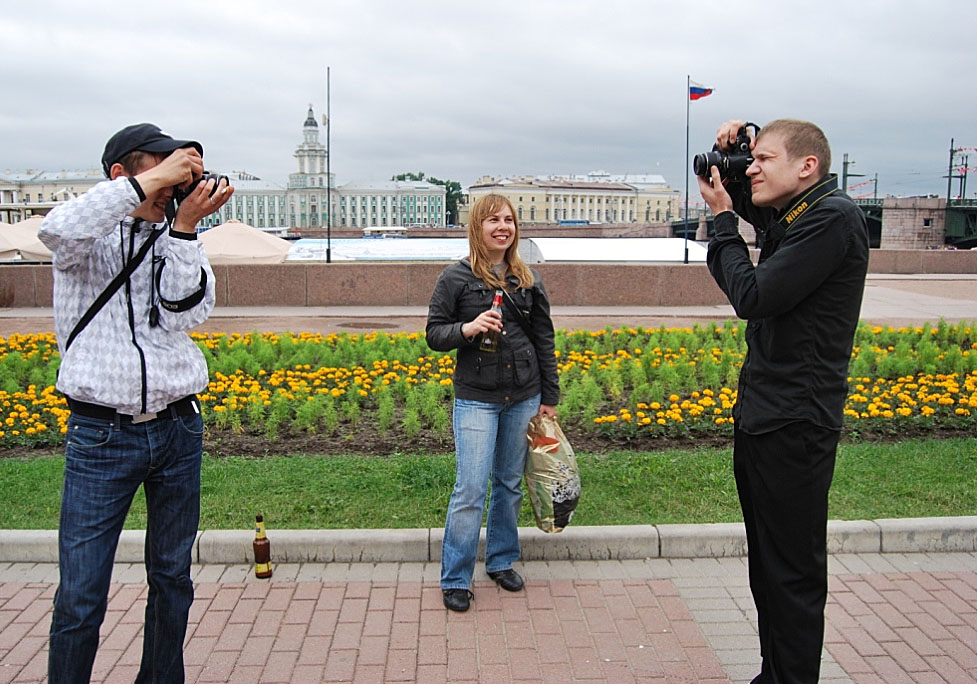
(308, 186)
(311, 157)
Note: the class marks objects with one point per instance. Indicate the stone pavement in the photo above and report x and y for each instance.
(895, 300)
(899, 617)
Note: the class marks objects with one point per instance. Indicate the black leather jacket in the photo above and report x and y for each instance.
(521, 367)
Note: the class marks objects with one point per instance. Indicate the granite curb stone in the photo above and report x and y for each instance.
(903, 535)
(609, 542)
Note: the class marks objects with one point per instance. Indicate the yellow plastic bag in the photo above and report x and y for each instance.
(552, 476)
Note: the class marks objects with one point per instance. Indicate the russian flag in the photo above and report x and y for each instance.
(698, 91)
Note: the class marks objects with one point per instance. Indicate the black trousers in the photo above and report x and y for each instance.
(783, 478)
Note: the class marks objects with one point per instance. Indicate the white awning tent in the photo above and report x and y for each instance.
(238, 243)
(21, 239)
(8, 249)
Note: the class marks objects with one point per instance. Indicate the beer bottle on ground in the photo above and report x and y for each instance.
(490, 338)
(262, 550)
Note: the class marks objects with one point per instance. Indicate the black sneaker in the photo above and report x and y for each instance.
(457, 599)
(507, 579)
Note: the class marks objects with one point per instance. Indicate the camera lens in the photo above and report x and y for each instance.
(701, 163)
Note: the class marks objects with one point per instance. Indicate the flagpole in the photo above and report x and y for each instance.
(329, 177)
(688, 98)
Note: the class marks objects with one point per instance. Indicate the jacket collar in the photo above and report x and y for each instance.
(806, 199)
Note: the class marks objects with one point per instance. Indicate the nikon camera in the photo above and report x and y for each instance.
(180, 194)
(733, 163)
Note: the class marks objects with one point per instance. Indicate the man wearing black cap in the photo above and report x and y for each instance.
(130, 278)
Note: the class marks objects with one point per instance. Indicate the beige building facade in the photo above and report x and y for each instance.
(34, 193)
(591, 199)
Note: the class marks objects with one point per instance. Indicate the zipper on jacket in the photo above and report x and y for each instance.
(132, 320)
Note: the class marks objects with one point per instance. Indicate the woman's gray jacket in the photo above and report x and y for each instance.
(522, 367)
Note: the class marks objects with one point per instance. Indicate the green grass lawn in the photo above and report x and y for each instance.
(919, 478)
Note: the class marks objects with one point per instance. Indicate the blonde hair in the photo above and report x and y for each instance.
(801, 139)
(478, 254)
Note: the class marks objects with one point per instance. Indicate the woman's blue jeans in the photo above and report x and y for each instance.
(105, 462)
(490, 442)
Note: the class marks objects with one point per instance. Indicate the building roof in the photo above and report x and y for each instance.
(595, 180)
(70, 175)
(244, 182)
(545, 184)
(63, 176)
(390, 186)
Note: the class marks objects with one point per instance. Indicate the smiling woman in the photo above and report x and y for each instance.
(497, 391)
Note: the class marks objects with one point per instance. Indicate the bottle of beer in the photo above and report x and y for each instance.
(490, 339)
(262, 549)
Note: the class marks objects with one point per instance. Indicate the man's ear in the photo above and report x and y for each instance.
(810, 167)
(117, 170)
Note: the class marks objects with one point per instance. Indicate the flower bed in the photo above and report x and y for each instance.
(622, 384)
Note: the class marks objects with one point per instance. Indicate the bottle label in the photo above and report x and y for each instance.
(262, 567)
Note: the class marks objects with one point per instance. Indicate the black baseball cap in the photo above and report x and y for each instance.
(145, 137)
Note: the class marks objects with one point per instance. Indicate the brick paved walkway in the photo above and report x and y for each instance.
(891, 618)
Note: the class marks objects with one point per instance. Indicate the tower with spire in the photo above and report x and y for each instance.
(308, 186)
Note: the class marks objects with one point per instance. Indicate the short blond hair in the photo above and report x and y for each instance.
(801, 139)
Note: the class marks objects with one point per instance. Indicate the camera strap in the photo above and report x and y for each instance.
(114, 286)
(816, 193)
(187, 303)
(520, 316)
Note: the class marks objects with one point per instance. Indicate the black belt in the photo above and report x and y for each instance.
(187, 406)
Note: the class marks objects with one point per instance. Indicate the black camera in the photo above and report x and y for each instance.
(180, 194)
(731, 163)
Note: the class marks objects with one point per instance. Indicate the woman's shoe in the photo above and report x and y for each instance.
(457, 599)
(507, 579)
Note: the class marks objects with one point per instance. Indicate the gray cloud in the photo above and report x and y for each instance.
(459, 90)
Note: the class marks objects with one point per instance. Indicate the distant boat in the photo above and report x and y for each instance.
(383, 232)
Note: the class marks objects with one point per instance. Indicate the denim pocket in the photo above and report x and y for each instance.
(193, 424)
(88, 433)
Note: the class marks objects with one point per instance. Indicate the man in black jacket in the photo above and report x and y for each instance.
(802, 301)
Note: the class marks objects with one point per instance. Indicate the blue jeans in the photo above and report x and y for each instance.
(105, 462)
(490, 441)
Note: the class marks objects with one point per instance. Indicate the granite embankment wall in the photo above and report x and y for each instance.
(411, 283)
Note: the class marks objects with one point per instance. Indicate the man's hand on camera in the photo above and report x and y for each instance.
(200, 203)
(181, 167)
(714, 193)
(726, 135)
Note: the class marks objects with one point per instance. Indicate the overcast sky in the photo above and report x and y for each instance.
(462, 89)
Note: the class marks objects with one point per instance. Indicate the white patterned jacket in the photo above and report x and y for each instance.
(120, 360)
